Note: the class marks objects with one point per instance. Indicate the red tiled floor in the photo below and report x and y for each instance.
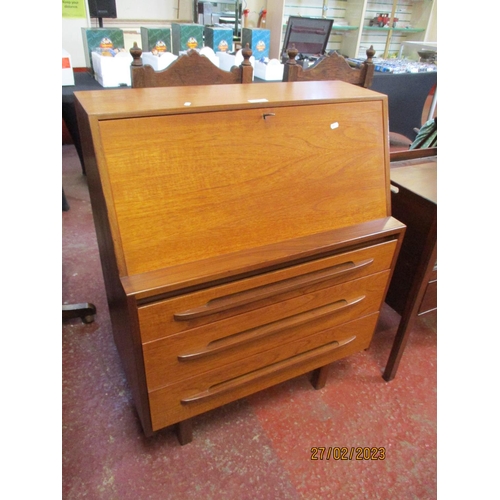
(256, 448)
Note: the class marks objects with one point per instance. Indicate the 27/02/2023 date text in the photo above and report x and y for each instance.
(345, 453)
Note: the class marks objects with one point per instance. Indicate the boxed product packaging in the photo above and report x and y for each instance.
(95, 38)
(258, 39)
(159, 39)
(269, 70)
(186, 36)
(158, 61)
(227, 61)
(68, 78)
(112, 70)
(219, 39)
(210, 54)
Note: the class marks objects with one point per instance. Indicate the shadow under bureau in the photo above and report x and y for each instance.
(245, 234)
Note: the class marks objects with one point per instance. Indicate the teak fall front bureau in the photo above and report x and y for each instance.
(245, 234)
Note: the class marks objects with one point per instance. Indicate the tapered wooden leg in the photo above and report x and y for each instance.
(184, 431)
(318, 378)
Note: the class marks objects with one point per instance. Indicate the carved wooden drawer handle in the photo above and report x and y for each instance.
(237, 382)
(248, 296)
(270, 329)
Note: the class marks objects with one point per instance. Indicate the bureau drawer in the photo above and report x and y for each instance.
(188, 311)
(210, 346)
(196, 395)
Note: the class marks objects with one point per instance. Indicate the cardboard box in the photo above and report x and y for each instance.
(112, 71)
(258, 39)
(158, 62)
(68, 77)
(94, 38)
(227, 61)
(186, 36)
(219, 39)
(208, 52)
(272, 71)
(156, 38)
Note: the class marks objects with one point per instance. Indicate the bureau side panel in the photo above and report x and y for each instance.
(193, 186)
(123, 311)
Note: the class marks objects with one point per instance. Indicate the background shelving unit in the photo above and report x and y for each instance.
(413, 22)
(351, 34)
(228, 13)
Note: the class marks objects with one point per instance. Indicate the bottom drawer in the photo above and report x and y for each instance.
(196, 395)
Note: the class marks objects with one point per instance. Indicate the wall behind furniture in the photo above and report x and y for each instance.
(431, 35)
(132, 15)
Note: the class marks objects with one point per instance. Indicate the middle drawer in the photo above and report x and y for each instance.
(210, 346)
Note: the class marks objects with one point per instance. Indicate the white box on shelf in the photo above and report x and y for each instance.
(272, 71)
(68, 78)
(158, 63)
(112, 71)
(208, 52)
(227, 61)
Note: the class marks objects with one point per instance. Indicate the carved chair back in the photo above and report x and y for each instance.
(330, 67)
(188, 69)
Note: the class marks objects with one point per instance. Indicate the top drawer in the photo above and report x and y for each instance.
(182, 313)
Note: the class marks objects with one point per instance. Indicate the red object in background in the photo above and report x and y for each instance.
(382, 20)
(262, 19)
(245, 17)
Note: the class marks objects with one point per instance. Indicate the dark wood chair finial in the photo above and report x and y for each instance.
(136, 52)
(292, 54)
(370, 54)
(246, 52)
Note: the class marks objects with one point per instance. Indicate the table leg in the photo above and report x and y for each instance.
(410, 311)
(398, 347)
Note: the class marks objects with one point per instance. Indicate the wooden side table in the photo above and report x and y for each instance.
(413, 288)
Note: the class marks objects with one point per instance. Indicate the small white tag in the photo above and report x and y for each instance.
(187, 104)
(257, 100)
(334, 125)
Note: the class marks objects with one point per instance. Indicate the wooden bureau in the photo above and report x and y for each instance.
(245, 234)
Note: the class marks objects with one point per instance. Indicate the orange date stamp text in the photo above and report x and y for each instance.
(347, 453)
